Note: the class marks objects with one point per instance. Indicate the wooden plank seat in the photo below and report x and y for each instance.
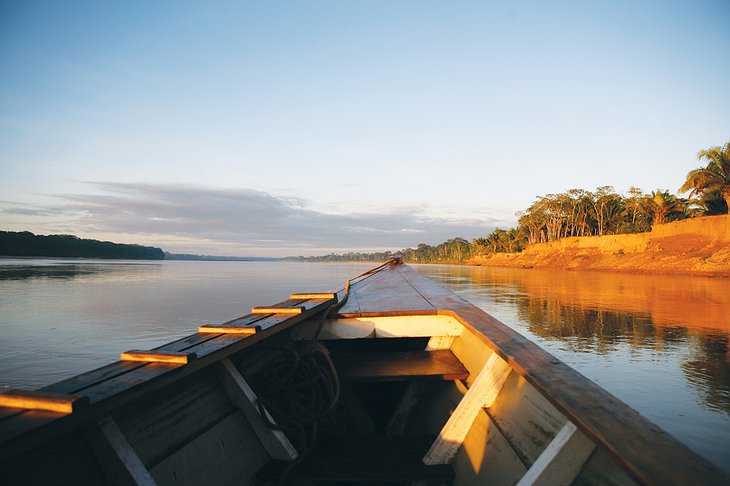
(278, 310)
(22, 428)
(171, 357)
(41, 400)
(399, 366)
(351, 457)
(315, 296)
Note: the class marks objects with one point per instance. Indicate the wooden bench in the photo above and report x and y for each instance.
(399, 366)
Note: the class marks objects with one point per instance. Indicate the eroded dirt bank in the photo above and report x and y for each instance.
(698, 246)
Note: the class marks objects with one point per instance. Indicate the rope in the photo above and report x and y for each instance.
(300, 387)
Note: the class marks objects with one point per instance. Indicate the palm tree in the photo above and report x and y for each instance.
(712, 203)
(713, 178)
(661, 205)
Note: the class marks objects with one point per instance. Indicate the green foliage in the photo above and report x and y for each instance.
(453, 250)
(713, 178)
(578, 212)
(712, 202)
(665, 207)
(29, 245)
(345, 257)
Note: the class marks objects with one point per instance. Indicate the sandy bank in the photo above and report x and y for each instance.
(698, 246)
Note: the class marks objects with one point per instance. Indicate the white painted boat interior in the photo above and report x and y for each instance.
(493, 427)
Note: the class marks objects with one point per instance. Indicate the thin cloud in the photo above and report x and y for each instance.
(250, 218)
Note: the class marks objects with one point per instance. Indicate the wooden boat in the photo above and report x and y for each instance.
(392, 379)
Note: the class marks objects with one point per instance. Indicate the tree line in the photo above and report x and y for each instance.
(579, 212)
(453, 250)
(27, 244)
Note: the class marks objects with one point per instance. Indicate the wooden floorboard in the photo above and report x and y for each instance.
(365, 458)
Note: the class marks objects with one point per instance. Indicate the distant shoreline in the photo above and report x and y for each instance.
(27, 244)
(697, 246)
(213, 258)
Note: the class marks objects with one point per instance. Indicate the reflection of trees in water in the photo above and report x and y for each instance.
(12, 272)
(648, 312)
(59, 271)
(586, 329)
(708, 369)
(601, 331)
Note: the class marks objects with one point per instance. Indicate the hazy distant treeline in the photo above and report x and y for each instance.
(212, 258)
(345, 257)
(454, 250)
(27, 244)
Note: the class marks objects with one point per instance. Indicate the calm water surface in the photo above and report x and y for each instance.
(659, 343)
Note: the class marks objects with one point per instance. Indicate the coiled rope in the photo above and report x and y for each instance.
(300, 387)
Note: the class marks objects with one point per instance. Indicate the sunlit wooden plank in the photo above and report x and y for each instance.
(158, 356)
(482, 393)
(41, 400)
(562, 459)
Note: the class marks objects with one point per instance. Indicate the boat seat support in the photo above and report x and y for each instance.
(242, 395)
(481, 394)
(120, 463)
(562, 460)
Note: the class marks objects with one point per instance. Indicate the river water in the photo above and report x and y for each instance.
(659, 343)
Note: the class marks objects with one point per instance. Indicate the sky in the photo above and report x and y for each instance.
(255, 128)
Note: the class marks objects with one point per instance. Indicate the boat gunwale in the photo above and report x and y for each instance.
(649, 454)
(28, 428)
(645, 451)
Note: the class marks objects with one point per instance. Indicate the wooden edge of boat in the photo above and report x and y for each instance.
(646, 452)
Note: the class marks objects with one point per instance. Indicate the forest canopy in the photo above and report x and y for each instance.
(29, 245)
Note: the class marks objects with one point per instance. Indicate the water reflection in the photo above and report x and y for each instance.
(51, 271)
(81, 313)
(661, 343)
(706, 365)
(598, 312)
(708, 369)
(668, 301)
(22, 269)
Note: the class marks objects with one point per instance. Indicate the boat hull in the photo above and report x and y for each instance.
(398, 364)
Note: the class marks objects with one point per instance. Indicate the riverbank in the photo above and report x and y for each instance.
(26, 244)
(697, 246)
